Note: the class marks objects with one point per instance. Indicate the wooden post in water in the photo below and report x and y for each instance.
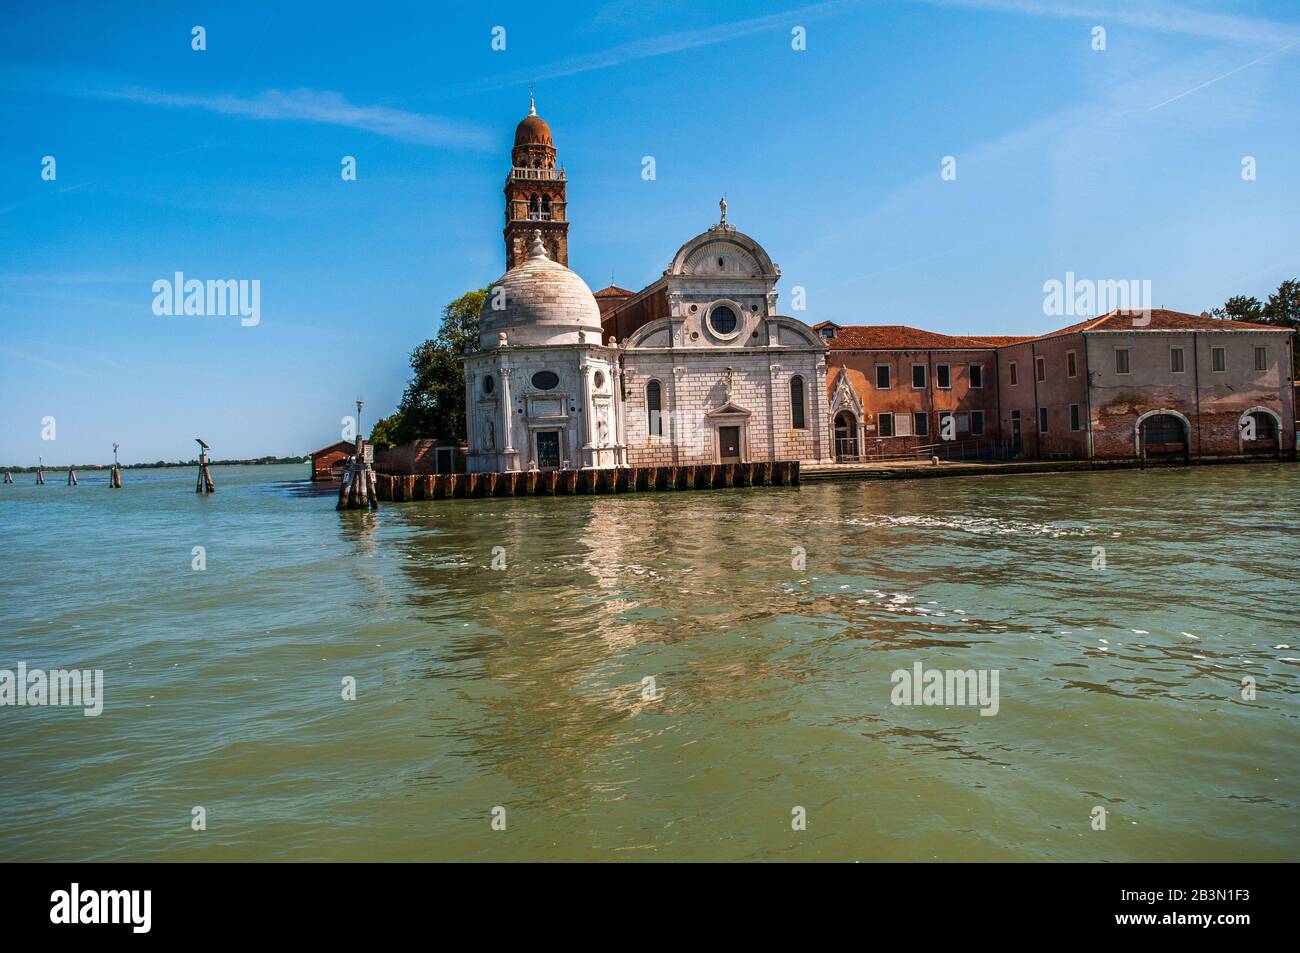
(9, 477)
(204, 483)
(40, 471)
(115, 475)
(72, 477)
(358, 490)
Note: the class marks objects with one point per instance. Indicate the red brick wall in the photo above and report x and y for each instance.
(416, 457)
(902, 398)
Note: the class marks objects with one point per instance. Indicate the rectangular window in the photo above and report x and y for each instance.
(1071, 364)
(942, 376)
(902, 425)
(921, 424)
(1040, 368)
(977, 423)
(977, 376)
(1121, 360)
(886, 422)
(963, 423)
(1219, 358)
(1042, 420)
(1011, 369)
(1261, 359)
(1176, 360)
(918, 376)
(1075, 423)
(882, 376)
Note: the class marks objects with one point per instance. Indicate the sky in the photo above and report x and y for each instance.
(1122, 163)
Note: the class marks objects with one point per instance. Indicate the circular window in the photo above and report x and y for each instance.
(599, 379)
(489, 384)
(545, 380)
(723, 320)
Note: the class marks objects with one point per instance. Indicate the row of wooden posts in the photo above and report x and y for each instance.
(114, 477)
(429, 486)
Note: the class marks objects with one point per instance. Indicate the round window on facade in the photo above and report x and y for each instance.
(599, 379)
(546, 380)
(489, 384)
(723, 320)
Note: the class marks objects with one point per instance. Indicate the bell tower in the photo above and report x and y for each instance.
(535, 193)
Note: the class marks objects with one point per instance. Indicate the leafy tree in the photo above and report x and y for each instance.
(1282, 309)
(1283, 306)
(1240, 308)
(433, 404)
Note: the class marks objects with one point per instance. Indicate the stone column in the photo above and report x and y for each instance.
(587, 425)
(507, 414)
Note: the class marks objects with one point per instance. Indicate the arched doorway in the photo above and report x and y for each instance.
(1162, 435)
(1258, 429)
(846, 437)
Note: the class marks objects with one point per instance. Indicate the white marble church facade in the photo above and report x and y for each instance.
(709, 371)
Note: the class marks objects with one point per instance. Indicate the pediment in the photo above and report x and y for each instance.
(729, 409)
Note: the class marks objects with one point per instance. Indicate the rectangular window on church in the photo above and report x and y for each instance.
(921, 424)
(882, 376)
(976, 376)
(1011, 370)
(918, 376)
(886, 422)
(942, 376)
(977, 423)
(902, 425)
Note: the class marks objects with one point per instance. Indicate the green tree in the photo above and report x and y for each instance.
(1240, 308)
(433, 404)
(1283, 305)
(1282, 309)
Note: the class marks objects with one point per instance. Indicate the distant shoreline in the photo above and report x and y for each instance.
(161, 465)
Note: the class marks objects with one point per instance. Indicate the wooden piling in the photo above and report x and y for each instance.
(72, 477)
(204, 483)
(9, 477)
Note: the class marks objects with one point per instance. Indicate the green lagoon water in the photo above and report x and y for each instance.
(522, 687)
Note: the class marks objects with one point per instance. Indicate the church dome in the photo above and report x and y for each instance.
(532, 130)
(541, 302)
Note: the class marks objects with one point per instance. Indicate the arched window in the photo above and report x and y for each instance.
(534, 206)
(654, 410)
(796, 403)
(546, 206)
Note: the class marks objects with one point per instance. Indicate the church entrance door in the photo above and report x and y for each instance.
(548, 450)
(729, 444)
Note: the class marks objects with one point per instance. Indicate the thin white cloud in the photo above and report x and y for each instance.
(659, 46)
(314, 106)
(1147, 15)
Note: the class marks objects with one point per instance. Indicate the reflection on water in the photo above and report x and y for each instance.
(522, 686)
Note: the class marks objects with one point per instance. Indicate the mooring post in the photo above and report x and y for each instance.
(72, 477)
(9, 477)
(115, 475)
(40, 471)
(204, 483)
(359, 489)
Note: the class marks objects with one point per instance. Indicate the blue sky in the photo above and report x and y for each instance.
(1117, 164)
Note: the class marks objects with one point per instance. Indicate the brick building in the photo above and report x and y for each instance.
(1125, 384)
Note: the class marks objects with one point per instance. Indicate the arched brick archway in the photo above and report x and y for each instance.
(1153, 435)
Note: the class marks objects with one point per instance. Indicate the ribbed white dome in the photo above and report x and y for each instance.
(544, 303)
